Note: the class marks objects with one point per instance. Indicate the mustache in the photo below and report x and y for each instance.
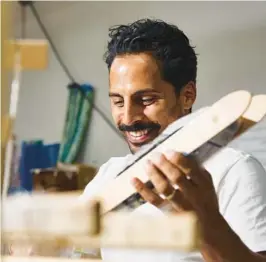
(138, 126)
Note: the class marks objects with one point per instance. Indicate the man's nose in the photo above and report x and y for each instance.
(132, 113)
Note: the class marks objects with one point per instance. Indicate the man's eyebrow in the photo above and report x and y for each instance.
(114, 94)
(147, 90)
(140, 92)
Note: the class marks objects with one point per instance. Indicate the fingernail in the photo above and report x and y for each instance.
(156, 157)
(169, 153)
(135, 181)
(147, 165)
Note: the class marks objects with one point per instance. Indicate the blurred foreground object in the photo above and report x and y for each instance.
(56, 222)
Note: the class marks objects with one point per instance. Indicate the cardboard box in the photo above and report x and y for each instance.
(64, 177)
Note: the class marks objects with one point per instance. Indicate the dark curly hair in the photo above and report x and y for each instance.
(166, 42)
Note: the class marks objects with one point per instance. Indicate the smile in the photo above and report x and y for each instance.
(141, 136)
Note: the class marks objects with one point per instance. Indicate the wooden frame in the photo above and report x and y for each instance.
(16, 55)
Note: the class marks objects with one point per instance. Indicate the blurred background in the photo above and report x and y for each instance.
(230, 38)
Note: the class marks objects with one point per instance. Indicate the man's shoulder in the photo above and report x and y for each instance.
(233, 164)
(240, 179)
(226, 158)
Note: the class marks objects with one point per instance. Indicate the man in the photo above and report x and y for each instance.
(152, 77)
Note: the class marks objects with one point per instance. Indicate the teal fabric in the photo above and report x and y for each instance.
(80, 105)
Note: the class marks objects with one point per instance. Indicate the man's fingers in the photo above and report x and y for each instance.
(160, 182)
(187, 164)
(146, 193)
(172, 172)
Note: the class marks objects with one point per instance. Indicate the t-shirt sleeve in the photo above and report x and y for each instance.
(244, 202)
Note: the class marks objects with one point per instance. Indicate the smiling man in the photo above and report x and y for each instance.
(143, 103)
(152, 83)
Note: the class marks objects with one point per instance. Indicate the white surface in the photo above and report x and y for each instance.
(230, 38)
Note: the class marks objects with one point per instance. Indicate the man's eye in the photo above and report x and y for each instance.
(119, 103)
(148, 101)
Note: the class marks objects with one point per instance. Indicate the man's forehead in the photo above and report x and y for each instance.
(142, 59)
(133, 73)
(127, 65)
(129, 88)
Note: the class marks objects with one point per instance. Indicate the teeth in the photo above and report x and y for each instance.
(139, 133)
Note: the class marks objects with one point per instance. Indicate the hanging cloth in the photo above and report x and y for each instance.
(80, 105)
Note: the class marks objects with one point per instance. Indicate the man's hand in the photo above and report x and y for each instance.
(187, 186)
(182, 181)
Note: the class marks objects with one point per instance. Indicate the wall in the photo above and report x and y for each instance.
(230, 40)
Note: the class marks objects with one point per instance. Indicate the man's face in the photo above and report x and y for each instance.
(142, 103)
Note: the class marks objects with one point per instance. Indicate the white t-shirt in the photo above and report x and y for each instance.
(240, 183)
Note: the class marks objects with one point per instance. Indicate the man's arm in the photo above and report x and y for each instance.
(222, 244)
(239, 234)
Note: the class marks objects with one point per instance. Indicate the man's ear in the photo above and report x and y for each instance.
(188, 96)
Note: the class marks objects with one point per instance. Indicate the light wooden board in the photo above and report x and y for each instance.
(207, 125)
(257, 108)
(254, 141)
(254, 113)
(33, 53)
(67, 222)
(6, 32)
(45, 259)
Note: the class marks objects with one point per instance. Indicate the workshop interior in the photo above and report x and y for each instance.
(57, 129)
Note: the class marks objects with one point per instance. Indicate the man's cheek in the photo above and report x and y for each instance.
(154, 114)
(117, 117)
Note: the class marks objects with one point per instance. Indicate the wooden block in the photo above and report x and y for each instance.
(34, 54)
(173, 232)
(66, 222)
(7, 9)
(254, 114)
(6, 33)
(44, 259)
(6, 127)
